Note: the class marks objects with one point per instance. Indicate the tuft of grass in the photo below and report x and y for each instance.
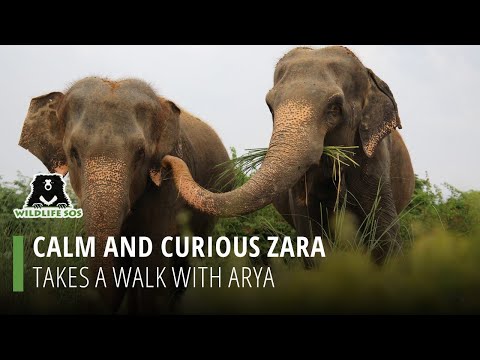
(246, 164)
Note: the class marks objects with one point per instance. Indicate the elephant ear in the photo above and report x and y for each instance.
(380, 116)
(42, 132)
(170, 124)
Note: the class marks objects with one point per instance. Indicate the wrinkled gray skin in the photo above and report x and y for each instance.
(322, 97)
(111, 136)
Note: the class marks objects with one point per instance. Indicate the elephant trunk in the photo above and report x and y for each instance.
(105, 205)
(291, 152)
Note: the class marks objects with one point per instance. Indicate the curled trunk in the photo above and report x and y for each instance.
(291, 152)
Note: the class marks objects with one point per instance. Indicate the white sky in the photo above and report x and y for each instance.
(436, 89)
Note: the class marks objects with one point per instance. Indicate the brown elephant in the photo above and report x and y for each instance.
(111, 136)
(322, 97)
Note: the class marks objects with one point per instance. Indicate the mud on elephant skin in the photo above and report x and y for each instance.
(322, 97)
(110, 136)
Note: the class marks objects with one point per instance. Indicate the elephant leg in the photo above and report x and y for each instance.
(113, 296)
(177, 293)
(154, 297)
(305, 214)
(199, 224)
(282, 204)
(172, 218)
(376, 208)
(387, 241)
(155, 223)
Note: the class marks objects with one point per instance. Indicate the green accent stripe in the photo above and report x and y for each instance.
(18, 263)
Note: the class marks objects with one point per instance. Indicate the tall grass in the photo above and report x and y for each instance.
(438, 271)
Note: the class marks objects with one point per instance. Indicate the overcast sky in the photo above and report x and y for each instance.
(436, 89)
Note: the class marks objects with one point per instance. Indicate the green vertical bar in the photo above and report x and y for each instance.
(18, 263)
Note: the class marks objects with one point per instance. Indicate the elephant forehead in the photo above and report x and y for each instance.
(294, 110)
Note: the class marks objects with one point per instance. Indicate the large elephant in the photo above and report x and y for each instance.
(111, 137)
(322, 97)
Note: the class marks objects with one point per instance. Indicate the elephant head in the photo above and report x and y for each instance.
(320, 97)
(110, 136)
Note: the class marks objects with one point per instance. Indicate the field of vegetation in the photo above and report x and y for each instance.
(437, 272)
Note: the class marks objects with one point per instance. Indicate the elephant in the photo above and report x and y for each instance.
(110, 136)
(322, 97)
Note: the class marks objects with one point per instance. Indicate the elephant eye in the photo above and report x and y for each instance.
(335, 110)
(140, 154)
(74, 155)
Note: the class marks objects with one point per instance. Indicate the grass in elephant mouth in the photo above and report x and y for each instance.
(249, 162)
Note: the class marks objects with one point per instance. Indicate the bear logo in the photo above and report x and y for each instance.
(47, 190)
